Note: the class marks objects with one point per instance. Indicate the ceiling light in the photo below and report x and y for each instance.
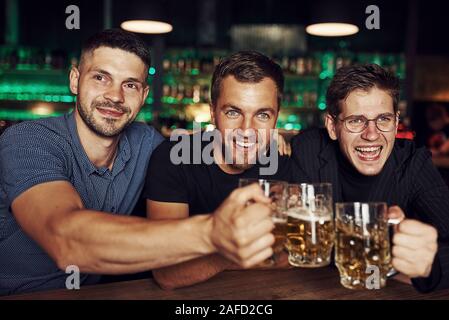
(146, 26)
(332, 29)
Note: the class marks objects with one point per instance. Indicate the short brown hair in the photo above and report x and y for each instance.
(366, 76)
(250, 67)
(118, 39)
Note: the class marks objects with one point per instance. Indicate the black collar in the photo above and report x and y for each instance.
(328, 170)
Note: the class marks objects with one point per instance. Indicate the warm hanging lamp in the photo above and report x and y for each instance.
(331, 19)
(148, 18)
(332, 29)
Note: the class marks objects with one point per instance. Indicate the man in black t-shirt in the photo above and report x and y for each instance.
(246, 93)
(201, 187)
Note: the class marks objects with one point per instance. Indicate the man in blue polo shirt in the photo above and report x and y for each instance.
(67, 185)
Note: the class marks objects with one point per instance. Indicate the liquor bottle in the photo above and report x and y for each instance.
(301, 68)
(181, 66)
(196, 93)
(166, 65)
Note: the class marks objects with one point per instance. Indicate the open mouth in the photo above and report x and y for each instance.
(110, 113)
(245, 145)
(369, 153)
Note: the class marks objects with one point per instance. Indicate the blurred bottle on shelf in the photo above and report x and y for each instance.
(180, 66)
(300, 68)
(206, 65)
(316, 66)
(180, 92)
(34, 59)
(184, 92)
(190, 62)
(47, 61)
(166, 65)
(166, 90)
(188, 91)
(196, 94)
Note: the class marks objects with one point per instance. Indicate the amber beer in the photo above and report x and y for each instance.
(310, 238)
(276, 191)
(280, 235)
(310, 224)
(362, 245)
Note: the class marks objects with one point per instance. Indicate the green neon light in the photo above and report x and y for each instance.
(325, 74)
(25, 115)
(169, 100)
(36, 97)
(149, 100)
(14, 115)
(6, 87)
(187, 100)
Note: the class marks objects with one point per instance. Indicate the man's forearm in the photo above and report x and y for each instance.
(103, 243)
(190, 272)
(204, 268)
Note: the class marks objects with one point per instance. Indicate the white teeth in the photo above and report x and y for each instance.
(244, 144)
(368, 149)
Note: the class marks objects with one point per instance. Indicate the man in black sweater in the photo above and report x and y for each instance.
(359, 154)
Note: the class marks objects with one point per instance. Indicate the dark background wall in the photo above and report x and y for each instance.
(42, 22)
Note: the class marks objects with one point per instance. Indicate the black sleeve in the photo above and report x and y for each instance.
(430, 203)
(430, 283)
(290, 171)
(165, 181)
(297, 145)
(306, 146)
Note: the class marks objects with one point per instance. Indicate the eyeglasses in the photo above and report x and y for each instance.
(385, 122)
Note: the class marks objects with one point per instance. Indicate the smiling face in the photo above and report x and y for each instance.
(111, 88)
(368, 150)
(244, 114)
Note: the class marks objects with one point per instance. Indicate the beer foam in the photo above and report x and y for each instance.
(306, 216)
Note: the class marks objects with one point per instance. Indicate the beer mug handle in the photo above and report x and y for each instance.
(393, 222)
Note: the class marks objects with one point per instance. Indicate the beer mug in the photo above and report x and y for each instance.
(276, 191)
(310, 224)
(362, 244)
